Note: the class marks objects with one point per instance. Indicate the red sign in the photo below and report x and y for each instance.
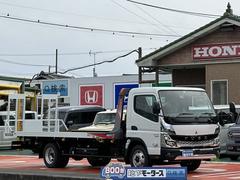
(216, 51)
(91, 95)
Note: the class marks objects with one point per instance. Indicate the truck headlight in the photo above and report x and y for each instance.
(230, 134)
(216, 141)
(169, 141)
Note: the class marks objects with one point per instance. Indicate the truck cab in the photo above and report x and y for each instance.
(171, 124)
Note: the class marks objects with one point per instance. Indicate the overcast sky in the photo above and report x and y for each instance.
(39, 41)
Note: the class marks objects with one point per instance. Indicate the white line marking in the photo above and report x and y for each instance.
(218, 174)
(234, 177)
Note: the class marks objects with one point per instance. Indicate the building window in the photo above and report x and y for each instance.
(219, 91)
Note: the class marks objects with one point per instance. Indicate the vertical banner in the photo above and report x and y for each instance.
(117, 89)
(91, 95)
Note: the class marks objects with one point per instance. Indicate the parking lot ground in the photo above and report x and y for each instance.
(31, 165)
(216, 170)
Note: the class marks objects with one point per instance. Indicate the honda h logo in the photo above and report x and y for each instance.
(91, 96)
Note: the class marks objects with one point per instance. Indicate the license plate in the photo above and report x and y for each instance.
(187, 153)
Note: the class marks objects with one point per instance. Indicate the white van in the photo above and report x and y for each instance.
(5, 143)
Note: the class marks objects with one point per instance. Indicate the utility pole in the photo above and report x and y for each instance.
(56, 65)
(94, 61)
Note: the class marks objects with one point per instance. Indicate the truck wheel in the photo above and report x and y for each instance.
(98, 161)
(53, 157)
(139, 157)
(191, 164)
(233, 157)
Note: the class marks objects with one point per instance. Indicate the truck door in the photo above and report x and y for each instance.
(144, 124)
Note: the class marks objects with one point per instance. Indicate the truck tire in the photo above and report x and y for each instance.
(139, 157)
(53, 158)
(191, 164)
(98, 161)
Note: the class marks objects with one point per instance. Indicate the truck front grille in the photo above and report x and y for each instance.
(195, 143)
(194, 139)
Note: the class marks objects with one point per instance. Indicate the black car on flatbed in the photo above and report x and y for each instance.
(75, 117)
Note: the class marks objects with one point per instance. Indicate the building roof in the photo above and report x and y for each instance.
(227, 19)
(45, 76)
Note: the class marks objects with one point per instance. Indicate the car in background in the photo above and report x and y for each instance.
(104, 121)
(227, 120)
(233, 144)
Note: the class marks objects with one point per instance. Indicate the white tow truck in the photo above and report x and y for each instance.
(171, 124)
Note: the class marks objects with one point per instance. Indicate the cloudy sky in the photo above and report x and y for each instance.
(27, 48)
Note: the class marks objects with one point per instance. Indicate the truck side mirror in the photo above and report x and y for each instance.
(225, 118)
(222, 116)
(232, 109)
(156, 108)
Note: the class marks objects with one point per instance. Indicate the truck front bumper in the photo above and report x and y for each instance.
(197, 153)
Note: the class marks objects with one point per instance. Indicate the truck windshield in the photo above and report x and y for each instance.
(186, 106)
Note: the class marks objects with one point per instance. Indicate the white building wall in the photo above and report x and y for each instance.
(108, 83)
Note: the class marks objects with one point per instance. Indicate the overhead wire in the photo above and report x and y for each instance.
(135, 14)
(69, 54)
(82, 15)
(177, 10)
(69, 13)
(23, 64)
(114, 32)
(99, 63)
(168, 28)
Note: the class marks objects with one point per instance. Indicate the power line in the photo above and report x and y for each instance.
(114, 32)
(69, 13)
(177, 10)
(157, 20)
(81, 15)
(99, 63)
(44, 54)
(131, 12)
(69, 54)
(23, 64)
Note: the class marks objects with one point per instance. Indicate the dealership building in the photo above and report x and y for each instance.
(208, 57)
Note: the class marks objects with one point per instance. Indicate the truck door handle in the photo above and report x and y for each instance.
(134, 128)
